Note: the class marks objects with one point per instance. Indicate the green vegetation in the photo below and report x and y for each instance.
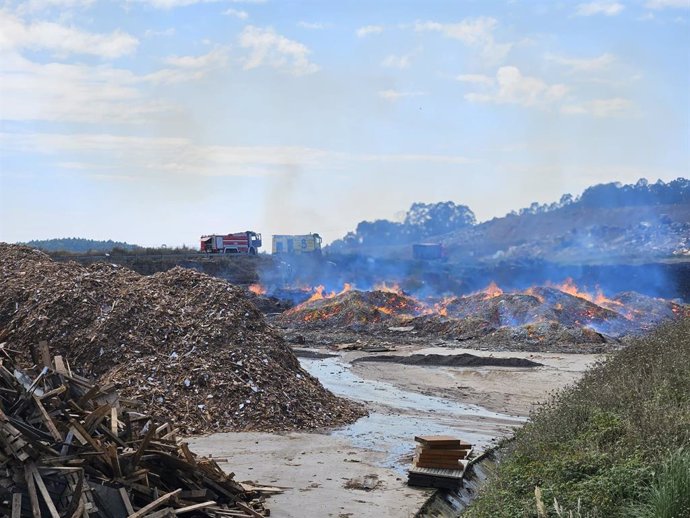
(79, 245)
(616, 444)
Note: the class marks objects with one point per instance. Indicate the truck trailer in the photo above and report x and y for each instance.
(247, 242)
(297, 244)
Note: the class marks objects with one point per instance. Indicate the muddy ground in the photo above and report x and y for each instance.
(360, 470)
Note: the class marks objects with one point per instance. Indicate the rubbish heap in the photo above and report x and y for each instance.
(189, 346)
(70, 448)
(537, 317)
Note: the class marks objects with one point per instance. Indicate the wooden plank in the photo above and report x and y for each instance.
(113, 420)
(188, 455)
(83, 435)
(59, 365)
(156, 503)
(44, 491)
(47, 420)
(126, 501)
(44, 354)
(163, 513)
(77, 492)
(142, 447)
(95, 417)
(16, 505)
(80, 511)
(33, 496)
(88, 396)
(248, 509)
(55, 392)
(194, 507)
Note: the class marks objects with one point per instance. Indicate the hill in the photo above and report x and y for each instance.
(606, 223)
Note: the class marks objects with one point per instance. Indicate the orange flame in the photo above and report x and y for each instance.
(346, 287)
(386, 288)
(568, 286)
(257, 289)
(492, 290)
(319, 294)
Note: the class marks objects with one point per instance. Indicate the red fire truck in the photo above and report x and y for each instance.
(239, 243)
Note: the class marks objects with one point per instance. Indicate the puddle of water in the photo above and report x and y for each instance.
(339, 379)
(398, 415)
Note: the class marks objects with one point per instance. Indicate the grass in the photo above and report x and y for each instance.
(609, 446)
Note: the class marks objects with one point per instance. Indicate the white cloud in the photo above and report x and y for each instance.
(146, 155)
(170, 31)
(583, 64)
(82, 93)
(478, 79)
(33, 6)
(242, 15)
(437, 159)
(314, 26)
(605, 8)
(395, 95)
(15, 34)
(668, 4)
(474, 32)
(170, 4)
(107, 155)
(394, 61)
(514, 88)
(268, 48)
(369, 29)
(599, 107)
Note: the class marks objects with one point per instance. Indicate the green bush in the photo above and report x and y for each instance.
(607, 445)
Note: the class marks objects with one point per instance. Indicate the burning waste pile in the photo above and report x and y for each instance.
(545, 314)
(189, 346)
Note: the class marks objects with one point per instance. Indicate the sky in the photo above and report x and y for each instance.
(157, 121)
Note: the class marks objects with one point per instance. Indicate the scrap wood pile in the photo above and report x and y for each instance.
(352, 309)
(69, 448)
(439, 461)
(189, 346)
(542, 315)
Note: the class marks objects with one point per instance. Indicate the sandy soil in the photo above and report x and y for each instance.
(315, 468)
(501, 389)
(403, 401)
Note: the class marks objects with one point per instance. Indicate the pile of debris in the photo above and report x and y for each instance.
(353, 309)
(538, 317)
(190, 346)
(69, 448)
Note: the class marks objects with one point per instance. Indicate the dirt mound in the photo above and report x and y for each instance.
(450, 360)
(188, 345)
(354, 309)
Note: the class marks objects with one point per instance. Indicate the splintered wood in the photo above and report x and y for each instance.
(71, 449)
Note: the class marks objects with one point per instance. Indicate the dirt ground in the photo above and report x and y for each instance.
(501, 389)
(370, 457)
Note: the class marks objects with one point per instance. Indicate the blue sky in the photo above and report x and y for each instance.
(156, 121)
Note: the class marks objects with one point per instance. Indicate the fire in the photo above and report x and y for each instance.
(441, 308)
(257, 289)
(346, 287)
(568, 286)
(492, 290)
(385, 287)
(318, 292)
(533, 293)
